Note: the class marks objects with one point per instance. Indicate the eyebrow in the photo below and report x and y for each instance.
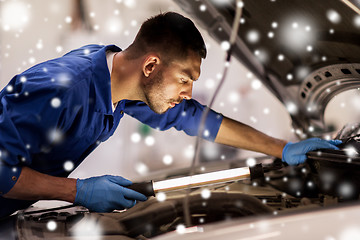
(188, 73)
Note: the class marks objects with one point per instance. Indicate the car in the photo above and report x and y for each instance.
(306, 53)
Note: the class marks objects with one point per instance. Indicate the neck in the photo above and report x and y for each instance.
(125, 78)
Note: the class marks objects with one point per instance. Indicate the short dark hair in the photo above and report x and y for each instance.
(171, 35)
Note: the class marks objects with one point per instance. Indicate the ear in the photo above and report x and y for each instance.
(150, 63)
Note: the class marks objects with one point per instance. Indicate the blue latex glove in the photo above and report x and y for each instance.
(106, 193)
(295, 153)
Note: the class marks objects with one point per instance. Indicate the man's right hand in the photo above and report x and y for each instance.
(106, 193)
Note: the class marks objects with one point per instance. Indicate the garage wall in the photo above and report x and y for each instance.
(47, 31)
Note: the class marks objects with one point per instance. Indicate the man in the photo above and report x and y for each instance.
(59, 110)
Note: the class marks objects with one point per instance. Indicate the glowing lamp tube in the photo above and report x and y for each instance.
(230, 175)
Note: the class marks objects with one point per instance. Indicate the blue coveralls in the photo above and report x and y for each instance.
(61, 109)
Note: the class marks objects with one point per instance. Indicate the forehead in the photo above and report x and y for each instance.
(190, 66)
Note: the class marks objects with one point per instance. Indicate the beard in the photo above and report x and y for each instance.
(154, 91)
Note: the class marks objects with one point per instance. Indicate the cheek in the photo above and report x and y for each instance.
(172, 90)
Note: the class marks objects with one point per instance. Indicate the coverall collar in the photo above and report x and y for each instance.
(102, 80)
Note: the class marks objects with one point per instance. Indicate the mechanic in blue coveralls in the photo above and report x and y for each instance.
(60, 110)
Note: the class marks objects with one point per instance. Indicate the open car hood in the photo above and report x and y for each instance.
(305, 52)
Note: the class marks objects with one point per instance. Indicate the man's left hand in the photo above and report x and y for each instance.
(295, 153)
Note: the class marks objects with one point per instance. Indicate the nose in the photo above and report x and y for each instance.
(186, 91)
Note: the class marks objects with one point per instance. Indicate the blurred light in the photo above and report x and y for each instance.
(9, 88)
(350, 151)
(88, 226)
(55, 136)
(202, 7)
(130, 3)
(261, 55)
(253, 36)
(249, 75)
(135, 137)
(311, 128)
(141, 168)
(250, 162)
(225, 45)
(210, 83)
(161, 196)
(149, 140)
(68, 19)
(189, 152)
(210, 151)
(270, 34)
(256, 84)
(167, 159)
(253, 119)
(39, 44)
(205, 193)
(291, 107)
(133, 23)
(302, 72)
(281, 57)
(68, 166)
(274, 24)
(59, 49)
(180, 229)
(51, 225)
(233, 97)
(289, 76)
(266, 110)
(333, 16)
(32, 60)
(114, 25)
(206, 133)
(55, 102)
(346, 189)
(15, 15)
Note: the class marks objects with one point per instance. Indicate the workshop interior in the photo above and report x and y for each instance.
(288, 68)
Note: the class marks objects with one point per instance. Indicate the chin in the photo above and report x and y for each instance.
(160, 111)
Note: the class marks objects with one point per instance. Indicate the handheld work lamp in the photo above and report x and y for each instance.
(150, 188)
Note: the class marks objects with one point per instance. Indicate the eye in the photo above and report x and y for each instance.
(183, 80)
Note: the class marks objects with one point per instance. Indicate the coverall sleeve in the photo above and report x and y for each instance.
(185, 116)
(30, 113)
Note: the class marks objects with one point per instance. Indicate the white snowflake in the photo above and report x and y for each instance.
(68, 166)
(168, 159)
(149, 140)
(55, 102)
(250, 162)
(205, 193)
(225, 45)
(253, 36)
(202, 7)
(135, 137)
(333, 16)
(161, 197)
(51, 225)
